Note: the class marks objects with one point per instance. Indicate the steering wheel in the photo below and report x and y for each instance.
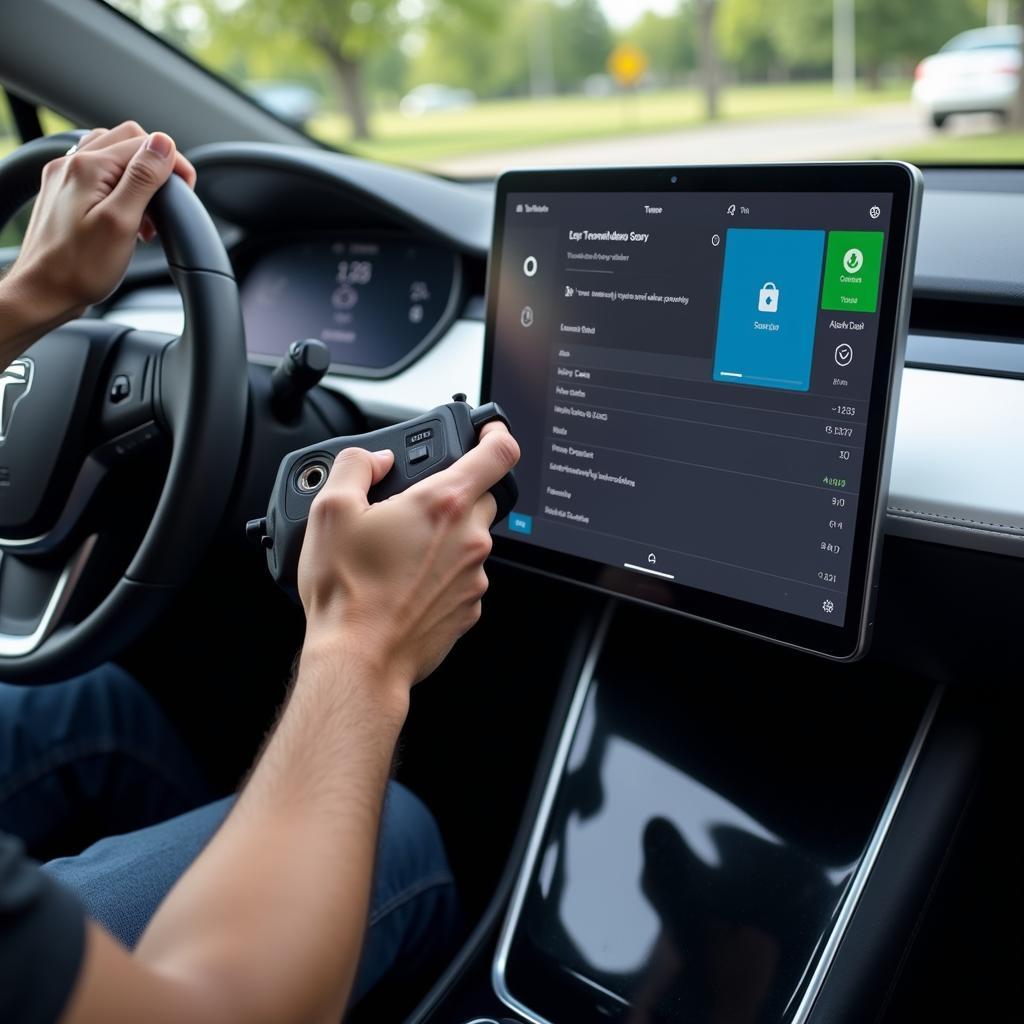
(85, 415)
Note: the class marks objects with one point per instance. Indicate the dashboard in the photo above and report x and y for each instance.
(718, 764)
(961, 411)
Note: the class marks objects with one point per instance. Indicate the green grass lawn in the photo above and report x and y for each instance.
(1000, 148)
(495, 125)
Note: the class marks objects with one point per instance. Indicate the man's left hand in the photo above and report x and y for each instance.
(90, 208)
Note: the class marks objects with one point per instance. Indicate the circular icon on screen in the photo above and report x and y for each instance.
(875, 212)
(853, 260)
(344, 297)
(844, 354)
(526, 317)
(530, 266)
(716, 240)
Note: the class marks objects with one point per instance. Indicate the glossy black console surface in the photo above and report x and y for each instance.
(715, 803)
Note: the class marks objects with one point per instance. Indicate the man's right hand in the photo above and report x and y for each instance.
(398, 582)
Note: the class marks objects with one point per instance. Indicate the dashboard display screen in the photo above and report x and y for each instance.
(374, 301)
(699, 379)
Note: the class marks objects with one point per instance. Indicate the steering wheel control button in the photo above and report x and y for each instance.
(418, 453)
(135, 440)
(844, 354)
(120, 388)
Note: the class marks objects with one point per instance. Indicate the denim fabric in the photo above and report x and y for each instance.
(95, 756)
(121, 881)
(88, 758)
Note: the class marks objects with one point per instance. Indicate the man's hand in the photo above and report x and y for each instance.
(401, 580)
(90, 208)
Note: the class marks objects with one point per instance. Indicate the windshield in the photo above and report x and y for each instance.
(471, 87)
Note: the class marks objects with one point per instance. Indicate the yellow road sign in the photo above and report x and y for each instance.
(627, 64)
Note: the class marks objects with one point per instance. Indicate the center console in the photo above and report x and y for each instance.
(720, 833)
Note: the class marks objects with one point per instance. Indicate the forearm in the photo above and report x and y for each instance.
(271, 916)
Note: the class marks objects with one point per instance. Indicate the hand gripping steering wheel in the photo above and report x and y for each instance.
(88, 409)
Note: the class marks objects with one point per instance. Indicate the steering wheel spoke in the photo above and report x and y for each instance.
(131, 384)
(35, 599)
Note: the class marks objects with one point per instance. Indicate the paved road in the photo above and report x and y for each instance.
(868, 131)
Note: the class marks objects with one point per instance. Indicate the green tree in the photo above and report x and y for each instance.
(457, 53)
(497, 62)
(904, 31)
(774, 37)
(748, 36)
(581, 41)
(1017, 115)
(707, 34)
(669, 40)
(350, 38)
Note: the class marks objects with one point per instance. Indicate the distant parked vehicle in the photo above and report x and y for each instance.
(290, 101)
(975, 72)
(433, 97)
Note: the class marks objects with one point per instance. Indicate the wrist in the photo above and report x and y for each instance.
(28, 310)
(358, 666)
(44, 297)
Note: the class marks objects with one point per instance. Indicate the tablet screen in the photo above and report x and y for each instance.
(698, 379)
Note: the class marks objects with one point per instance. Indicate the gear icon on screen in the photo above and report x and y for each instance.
(827, 606)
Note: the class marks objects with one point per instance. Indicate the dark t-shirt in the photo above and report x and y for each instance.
(42, 938)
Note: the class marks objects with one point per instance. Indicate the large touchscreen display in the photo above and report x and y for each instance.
(690, 378)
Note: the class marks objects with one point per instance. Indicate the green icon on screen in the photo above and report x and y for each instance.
(852, 268)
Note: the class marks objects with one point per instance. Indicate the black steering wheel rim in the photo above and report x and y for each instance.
(202, 401)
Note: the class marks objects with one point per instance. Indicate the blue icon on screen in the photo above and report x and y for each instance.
(769, 308)
(519, 523)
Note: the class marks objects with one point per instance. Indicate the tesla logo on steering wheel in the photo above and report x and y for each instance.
(15, 384)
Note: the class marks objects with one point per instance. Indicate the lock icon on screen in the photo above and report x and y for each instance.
(768, 298)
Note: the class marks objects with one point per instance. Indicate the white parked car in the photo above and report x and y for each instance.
(975, 72)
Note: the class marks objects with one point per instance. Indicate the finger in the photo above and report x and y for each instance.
(102, 138)
(484, 510)
(123, 132)
(92, 138)
(145, 173)
(483, 466)
(107, 162)
(382, 463)
(183, 169)
(355, 471)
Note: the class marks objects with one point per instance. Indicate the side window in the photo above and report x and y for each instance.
(12, 232)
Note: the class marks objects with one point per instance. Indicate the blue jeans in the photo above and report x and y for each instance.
(96, 755)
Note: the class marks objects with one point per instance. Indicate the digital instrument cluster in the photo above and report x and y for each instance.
(376, 301)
